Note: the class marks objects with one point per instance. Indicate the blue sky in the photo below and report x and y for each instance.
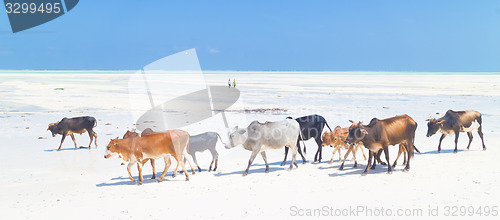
(264, 35)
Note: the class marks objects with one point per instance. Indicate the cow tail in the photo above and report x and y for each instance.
(220, 139)
(95, 123)
(327, 126)
(416, 149)
(302, 140)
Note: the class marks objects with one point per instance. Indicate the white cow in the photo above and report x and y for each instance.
(258, 137)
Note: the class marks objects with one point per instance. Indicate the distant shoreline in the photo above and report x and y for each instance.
(249, 72)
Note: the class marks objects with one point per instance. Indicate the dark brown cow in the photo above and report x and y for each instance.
(69, 126)
(379, 134)
(454, 122)
(135, 149)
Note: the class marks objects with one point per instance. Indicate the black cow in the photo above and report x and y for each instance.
(454, 122)
(69, 126)
(311, 126)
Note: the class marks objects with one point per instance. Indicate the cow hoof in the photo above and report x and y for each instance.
(389, 172)
(193, 173)
(394, 166)
(406, 170)
(199, 170)
(187, 179)
(364, 174)
(245, 173)
(173, 175)
(484, 148)
(341, 168)
(455, 151)
(153, 177)
(383, 163)
(355, 165)
(267, 171)
(304, 161)
(283, 164)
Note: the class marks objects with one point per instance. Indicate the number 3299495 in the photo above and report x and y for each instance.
(32, 8)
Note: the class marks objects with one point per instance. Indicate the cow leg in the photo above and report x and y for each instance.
(139, 168)
(286, 154)
(263, 154)
(354, 150)
(386, 152)
(456, 141)
(362, 151)
(470, 139)
(91, 136)
(294, 158)
(407, 148)
(480, 132)
(153, 166)
(440, 140)
(300, 152)
(189, 162)
(367, 169)
(215, 157)
(378, 157)
(167, 165)
(195, 161)
(73, 138)
(333, 154)
(320, 150)
(399, 154)
(62, 140)
(128, 170)
(184, 167)
(95, 138)
(252, 157)
(345, 157)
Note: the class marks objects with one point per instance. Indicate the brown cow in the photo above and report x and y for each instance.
(146, 131)
(379, 134)
(336, 138)
(135, 149)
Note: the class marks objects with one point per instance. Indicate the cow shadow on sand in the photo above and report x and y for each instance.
(66, 149)
(125, 181)
(350, 170)
(255, 168)
(444, 151)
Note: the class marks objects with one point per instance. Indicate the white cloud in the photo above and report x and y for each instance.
(213, 50)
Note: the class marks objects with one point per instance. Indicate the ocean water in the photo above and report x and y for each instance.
(236, 72)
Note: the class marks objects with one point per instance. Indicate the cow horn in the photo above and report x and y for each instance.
(351, 121)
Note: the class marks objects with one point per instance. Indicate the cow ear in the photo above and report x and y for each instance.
(242, 131)
(364, 131)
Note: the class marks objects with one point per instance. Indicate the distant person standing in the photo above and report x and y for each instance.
(234, 82)
(229, 82)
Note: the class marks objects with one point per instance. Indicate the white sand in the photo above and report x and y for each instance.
(40, 183)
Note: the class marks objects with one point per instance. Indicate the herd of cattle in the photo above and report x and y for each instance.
(257, 137)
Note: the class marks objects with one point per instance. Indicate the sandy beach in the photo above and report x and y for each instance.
(41, 183)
